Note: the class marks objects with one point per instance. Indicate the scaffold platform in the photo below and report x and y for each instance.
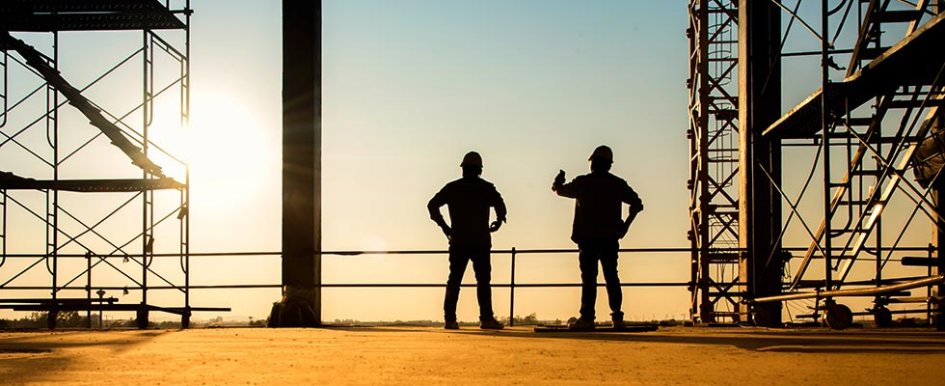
(86, 15)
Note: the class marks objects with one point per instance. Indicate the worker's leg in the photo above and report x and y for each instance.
(608, 262)
(458, 261)
(587, 258)
(482, 265)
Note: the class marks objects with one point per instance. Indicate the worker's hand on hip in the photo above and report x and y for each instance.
(495, 225)
(622, 231)
(447, 231)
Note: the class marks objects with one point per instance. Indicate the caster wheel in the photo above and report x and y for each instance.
(839, 316)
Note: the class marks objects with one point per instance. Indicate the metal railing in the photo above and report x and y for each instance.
(512, 285)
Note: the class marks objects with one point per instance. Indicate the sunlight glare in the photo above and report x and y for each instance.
(228, 151)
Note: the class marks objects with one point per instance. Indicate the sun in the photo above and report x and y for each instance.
(231, 152)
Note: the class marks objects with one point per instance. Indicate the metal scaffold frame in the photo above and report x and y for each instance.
(871, 172)
(159, 23)
(713, 157)
(866, 129)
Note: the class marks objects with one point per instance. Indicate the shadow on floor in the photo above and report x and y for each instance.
(26, 356)
(762, 340)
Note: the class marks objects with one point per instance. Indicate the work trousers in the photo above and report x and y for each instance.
(591, 252)
(482, 266)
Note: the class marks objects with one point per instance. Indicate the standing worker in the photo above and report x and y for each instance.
(469, 199)
(598, 227)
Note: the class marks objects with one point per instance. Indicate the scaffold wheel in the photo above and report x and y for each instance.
(839, 316)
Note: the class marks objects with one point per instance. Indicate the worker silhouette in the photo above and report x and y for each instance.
(597, 229)
(469, 199)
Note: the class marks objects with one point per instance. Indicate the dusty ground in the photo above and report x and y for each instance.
(427, 356)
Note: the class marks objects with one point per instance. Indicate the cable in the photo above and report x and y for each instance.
(799, 20)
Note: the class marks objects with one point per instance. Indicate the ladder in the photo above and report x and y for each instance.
(3, 227)
(863, 211)
(4, 90)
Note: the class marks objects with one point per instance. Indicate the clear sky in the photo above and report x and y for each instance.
(409, 87)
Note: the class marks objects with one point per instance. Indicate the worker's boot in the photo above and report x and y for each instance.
(451, 325)
(617, 317)
(581, 324)
(490, 324)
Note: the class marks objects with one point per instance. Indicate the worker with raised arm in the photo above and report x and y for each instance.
(598, 227)
(469, 200)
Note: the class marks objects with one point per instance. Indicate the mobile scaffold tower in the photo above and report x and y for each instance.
(53, 165)
(874, 119)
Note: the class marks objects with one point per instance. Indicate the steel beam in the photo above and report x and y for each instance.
(301, 153)
(759, 90)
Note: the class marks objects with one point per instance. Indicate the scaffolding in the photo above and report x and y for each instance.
(869, 124)
(53, 163)
(713, 157)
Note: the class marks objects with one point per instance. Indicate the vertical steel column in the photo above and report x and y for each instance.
(185, 320)
(54, 251)
(938, 243)
(147, 217)
(88, 288)
(938, 189)
(184, 215)
(301, 152)
(825, 142)
(713, 164)
(512, 291)
(759, 74)
(698, 168)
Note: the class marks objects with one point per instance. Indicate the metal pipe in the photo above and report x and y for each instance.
(88, 287)
(512, 292)
(439, 252)
(361, 285)
(825, 140)
(55, 208)
(853, 291)
(185, 237)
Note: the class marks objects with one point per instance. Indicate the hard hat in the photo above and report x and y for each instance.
(472, 159)
(603, 152)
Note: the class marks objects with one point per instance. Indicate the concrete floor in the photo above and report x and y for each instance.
(429, 356)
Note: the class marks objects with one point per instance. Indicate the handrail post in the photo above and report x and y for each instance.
(512, 292)
(88, 288)
(928, 291)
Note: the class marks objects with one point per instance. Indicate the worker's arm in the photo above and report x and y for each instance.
(433, 207)
(563, 189)
(630, 197)
(500, 210)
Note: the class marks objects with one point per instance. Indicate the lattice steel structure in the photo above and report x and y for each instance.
(54, 178)
(881, 111)
(713, 157)
(872, 121)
